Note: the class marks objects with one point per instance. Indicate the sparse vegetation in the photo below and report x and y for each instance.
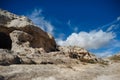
(104, 62)
(115, 58)
(88, 61)
(43, 59)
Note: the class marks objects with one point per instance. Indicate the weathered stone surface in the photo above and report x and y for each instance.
(78, 53)
(31, 45)
(23, 28)
(61, 72)
(2, 77)
(7, 58)
(24, 43)
(20, 40)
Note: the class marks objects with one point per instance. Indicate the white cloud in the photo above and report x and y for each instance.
(92, 40)
(115, 44)
(111, 27)
(106, 53)
(69, 23)
(75, 29)
(118, 18)
(37, 17)
(71, 26)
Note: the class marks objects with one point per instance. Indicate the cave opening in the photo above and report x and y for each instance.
(5, 41)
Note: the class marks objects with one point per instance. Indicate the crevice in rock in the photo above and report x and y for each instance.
(5, 41)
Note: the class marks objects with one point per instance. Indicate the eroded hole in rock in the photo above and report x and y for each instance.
(5, 41)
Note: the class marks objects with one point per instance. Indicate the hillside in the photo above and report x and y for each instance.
(29, 53)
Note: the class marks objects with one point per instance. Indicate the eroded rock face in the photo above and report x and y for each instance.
(24, 33)
(78, 53)
(20, 40)
(7, 57)
(28, 44)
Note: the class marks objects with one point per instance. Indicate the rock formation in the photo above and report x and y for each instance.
(22, 42)
(78, 53)
(115, 57)
(6, 58)
(23, 33)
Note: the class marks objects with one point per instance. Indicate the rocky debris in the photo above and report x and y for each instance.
(115, 57)
(36, 56)
(10, 19)
(28, 44)
(7, 58)
(78, 53)
(21, 42)
(2, 77)
(64, 56)
(22, 30)
(61, 72)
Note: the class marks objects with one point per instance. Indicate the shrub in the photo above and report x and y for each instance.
(115, 57)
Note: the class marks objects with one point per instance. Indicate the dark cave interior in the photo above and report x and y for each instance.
(5, 41)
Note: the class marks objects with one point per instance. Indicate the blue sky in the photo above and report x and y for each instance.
(92, 24)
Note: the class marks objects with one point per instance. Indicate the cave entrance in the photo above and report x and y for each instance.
(5, 41)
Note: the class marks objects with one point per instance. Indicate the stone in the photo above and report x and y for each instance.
(21, 27)
(2, 77)
(7, 58)
(28, 44)
(20, 40)
(76, 52)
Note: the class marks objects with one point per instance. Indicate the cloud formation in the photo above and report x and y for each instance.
(94, 39)
(118, 18)
(72, 27)
(106, 53)
(89, 40)
(37, 18)
(111, 27)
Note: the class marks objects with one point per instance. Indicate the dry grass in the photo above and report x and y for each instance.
(115, 58)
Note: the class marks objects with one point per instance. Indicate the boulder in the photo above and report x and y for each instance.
(22, 31)
(25, 43)
(78, 53)
(7, 58)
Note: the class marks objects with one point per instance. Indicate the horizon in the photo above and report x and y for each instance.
(93, 25)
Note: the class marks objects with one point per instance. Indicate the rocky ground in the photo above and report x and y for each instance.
(29, 53)
(83, 71)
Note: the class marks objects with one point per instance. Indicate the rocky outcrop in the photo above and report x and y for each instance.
(78, 53)
(38, 56)
(61, 72)
(22, 42)
(7, 57)
(23, 32)
(65, 55)
(115, 57)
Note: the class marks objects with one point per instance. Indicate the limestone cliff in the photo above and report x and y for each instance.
(28, 44)
(22, 42)
(23, 33)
